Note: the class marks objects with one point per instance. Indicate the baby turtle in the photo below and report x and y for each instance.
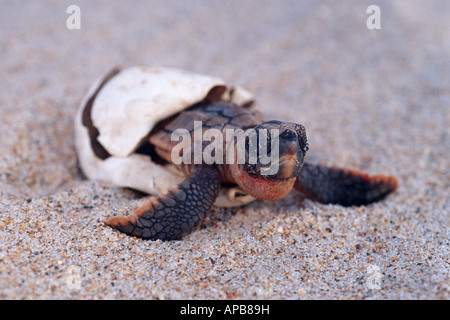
(208, 158)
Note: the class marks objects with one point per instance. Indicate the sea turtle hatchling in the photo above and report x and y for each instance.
(125, 133)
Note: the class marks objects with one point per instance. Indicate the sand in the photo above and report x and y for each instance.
(376, 100)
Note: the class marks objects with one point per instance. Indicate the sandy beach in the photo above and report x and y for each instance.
(376, 100)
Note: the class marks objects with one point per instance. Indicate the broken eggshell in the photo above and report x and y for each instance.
(120, 110)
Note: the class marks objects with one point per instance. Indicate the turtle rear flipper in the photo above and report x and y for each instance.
(343, 186)
(170, 216)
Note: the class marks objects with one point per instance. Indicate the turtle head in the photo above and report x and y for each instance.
(274, 155)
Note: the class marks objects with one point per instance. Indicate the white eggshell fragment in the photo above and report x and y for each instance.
(126, 107)
(142, 97)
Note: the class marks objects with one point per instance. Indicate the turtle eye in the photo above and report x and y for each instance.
(288, 135)
(251, 149)
(267, 144)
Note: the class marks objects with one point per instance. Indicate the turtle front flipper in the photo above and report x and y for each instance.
(346, 187)
(170, 216)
